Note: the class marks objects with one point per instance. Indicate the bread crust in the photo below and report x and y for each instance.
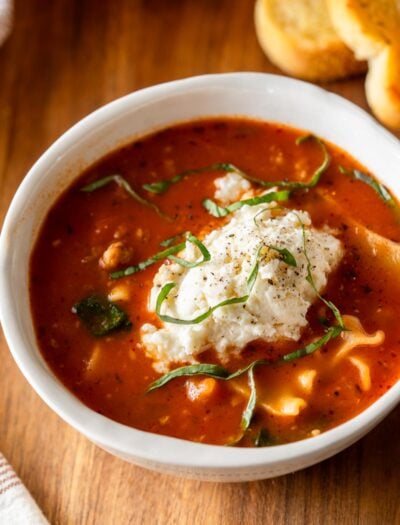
(371, 28)
(303, 55)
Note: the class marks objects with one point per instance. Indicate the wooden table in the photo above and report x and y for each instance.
(66, 58)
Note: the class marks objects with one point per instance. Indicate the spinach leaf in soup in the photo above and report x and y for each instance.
(264, 439)
(100, 316)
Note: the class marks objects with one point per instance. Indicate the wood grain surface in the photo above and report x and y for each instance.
(64, 59)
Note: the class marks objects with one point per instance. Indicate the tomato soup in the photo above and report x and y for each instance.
(89, 311)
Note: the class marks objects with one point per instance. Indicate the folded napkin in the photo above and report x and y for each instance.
(6, 11)
(16, 504)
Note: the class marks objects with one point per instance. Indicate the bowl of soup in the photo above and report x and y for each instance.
(202, 276)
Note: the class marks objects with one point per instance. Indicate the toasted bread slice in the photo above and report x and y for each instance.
(298, 37)
(371, 28)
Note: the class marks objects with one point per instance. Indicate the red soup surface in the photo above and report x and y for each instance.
(110, 372)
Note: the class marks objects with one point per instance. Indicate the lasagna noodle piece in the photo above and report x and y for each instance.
(284, 404)
(356, 336)
(364, 372)
(93, 366)
(306, 380)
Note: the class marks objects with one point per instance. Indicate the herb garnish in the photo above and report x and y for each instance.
(165, 290)
(248, 412)
(163, 185)
(261, 212)
(168, 319)
(295, 185)
(285, 254)
(215, 371)
(219, 211)
(210, 370)
(204, 252)
(379, 188)
(263, 438)
(101, 316)
(218, 372)
(159, 256)
(309, 278)
(123, 183)
(170, 240)
(331, 333)
(167, 254)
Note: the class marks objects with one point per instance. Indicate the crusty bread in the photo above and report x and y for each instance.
(298, 37)
(371, 28)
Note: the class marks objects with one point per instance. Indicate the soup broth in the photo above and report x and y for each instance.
(90, 234)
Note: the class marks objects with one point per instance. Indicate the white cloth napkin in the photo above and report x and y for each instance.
(6, 12)
(17, 506)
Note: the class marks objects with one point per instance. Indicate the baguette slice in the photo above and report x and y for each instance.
(371, 28)
(298, 37)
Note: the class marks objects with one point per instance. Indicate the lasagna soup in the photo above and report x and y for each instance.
(225, 281)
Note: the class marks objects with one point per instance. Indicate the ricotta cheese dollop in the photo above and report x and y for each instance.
(277, 306)
(230, 188)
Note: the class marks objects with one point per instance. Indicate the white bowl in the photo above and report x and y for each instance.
(262, 96)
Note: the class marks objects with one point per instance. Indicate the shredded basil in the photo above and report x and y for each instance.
(123, 183)
(251, 279)
(331, 333)
(295, 185)
(326, 160)
(219, 211)
(248, 412)
(100, 316)
(245, 369)
(379, 188)
(286, 255)
(201, 369)
(204, 252)
(167, 254)
(263, 438)
(168, 319)
(165, 290)
(216, 371)
(270, 209)
(170, 240)
(148, 262)
(261, 212)
(163, 185)
(309, 279)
